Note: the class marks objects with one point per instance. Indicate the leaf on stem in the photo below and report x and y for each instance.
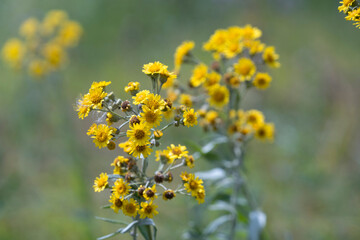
(145, 228)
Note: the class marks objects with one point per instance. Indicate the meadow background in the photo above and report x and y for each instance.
(307, 182)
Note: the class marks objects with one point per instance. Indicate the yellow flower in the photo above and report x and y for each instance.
(69, 34)
(117, 203)
(177, 152)
(101, 182)
(245, 68)
(255, 118)
(102, 135)
(54, 54)
(101, 84)
(265, 131)
(218, 96)
(132, 86)
(190, 161)
(120, 188)
(150, 193)
(234, 33)
(193, 184)
(199, 75)
(13, 52)
(249, 32)
(232, 49)
(151, 117)
(154, 101)
(83, 107)
(270, 57)
(345, 5)
(92, 129)
(29, 28)
(212, 79)
(38, 68)
(52, 20)
(138, 133)
(262, 80)
(168, 195)
(167, 78)
(130, 208)
(200, 195)
(353, 15)
(185, 99)
(126, 146)
(235, 81)
(211, 117)
(245, 129)
(190, 117)
(170, 82)
(148, 210)
(158, 134)
(163, 156)
(182, 52)
(154, 68)
(185, 176)
(255, 46)
(216, 41)
(120, 160)
(138, 150)
(140, 97)
(96, 97)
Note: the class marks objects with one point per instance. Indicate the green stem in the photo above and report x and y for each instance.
(134, 233)
(236, 188)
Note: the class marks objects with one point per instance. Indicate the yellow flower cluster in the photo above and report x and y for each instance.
(352, 10)
(140, 121)
(240, 59)
(42, 46)
(231, 42)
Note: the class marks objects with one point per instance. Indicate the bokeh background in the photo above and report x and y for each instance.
(307, 181)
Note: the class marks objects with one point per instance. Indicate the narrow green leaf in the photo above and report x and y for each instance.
(214, 225)
(111, 220)
(120, 230)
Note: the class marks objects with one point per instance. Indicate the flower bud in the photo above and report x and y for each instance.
(159, 177)
(125, 106)
(111, 145)
(168, 177)
(134, 120)
(215, 66)
(158, 134)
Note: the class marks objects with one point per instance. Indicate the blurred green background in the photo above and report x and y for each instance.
(307, 182)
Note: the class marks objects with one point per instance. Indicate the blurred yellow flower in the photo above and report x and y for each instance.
(181, 52)
(218, 96)
(101, 182)
(245, 67)
(262, 80)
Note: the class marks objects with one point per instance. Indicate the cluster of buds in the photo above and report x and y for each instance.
(137, 127)
(351, 8)
(41, 48)
(240, 61)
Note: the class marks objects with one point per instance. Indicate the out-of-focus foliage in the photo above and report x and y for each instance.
(307, 180)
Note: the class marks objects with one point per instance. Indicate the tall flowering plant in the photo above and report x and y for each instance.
(217, 92)
(42, 46)
(137, 126)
